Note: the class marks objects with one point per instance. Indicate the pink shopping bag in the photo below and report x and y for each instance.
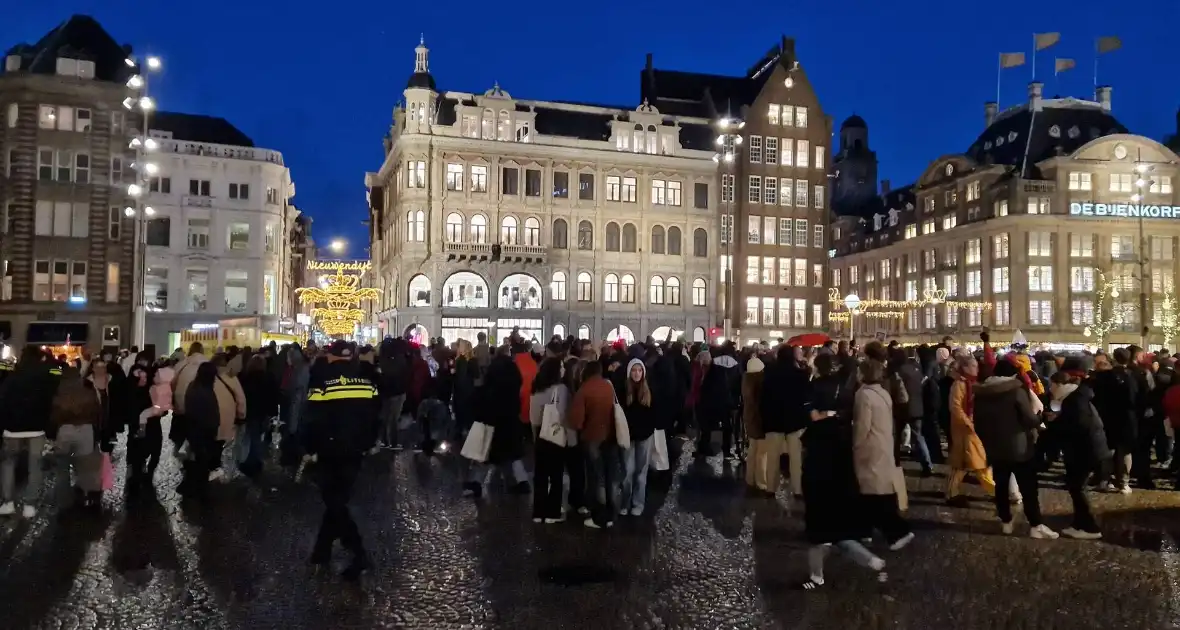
(108, 472)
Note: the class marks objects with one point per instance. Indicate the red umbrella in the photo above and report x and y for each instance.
(809, 339)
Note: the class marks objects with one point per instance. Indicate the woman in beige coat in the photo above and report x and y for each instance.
(873, 456)
(231, 405)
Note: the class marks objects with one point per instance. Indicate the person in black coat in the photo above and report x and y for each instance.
(498, 406)
(262, 404)
(1078, 430)
(833, 515)
(682, 374)
(1116, 399)
(715, 404)
(785, 415)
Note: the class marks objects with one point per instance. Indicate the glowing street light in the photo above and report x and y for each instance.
(338, 246)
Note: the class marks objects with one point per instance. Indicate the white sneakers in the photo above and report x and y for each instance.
(1042, 532)
(28, 511)
(1008, 527)
(1078, 534)
(900, 543)
(8, 509)
(637, 511)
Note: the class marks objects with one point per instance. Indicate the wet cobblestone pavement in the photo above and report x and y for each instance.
(703, 556)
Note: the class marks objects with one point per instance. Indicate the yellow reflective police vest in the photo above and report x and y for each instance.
(343, 388)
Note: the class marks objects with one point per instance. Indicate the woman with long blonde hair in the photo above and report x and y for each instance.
(641, 425)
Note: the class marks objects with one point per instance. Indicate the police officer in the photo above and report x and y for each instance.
(340, 413)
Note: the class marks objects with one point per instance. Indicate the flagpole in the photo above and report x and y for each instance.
(999, 73)
(1034, 58)
(1096, 64)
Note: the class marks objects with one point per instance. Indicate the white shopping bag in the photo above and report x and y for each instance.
(478, 443)
(903, 496)
(659, 451)
(622, 429)
(551, 427)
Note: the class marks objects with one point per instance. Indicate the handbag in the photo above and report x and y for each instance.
(659, 451)
(622, 429)
(478, 444)
(551, 428)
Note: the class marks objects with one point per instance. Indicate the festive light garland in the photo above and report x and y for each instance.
(1169, 319)
(930, 297)
(341, 296)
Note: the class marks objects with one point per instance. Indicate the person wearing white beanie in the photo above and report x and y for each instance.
(637, 405)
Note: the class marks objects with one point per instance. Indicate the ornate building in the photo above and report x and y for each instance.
(854, 169)
(1056, 221)
(491, 212)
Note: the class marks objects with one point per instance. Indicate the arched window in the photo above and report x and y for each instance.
(532, 231)
(489, 124)
(585, 235)
(416, 226)
(508, 231)
(585, 287)
(584, 332)
(700, 243)
(673, 241)
(657, 240)
(479, 229)
(672, 295)
(627, 289)
(560, 234)
(612, 237)
(465, 289)
(559, 330)
(419, 291)
(520, 291)
(698, 292)
(505, 126)
(610, 288)
(698, 334)
(557, 286)
(656, 291)
(652, 144)
(622, 332)
(629, 237)
(454, 228)
(637, 140)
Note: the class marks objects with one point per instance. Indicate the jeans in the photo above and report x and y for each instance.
(575, 467)
(636, 460)
(336, 479)
(390, 414)
(73, 443)
(918, 441)
(12, 450)
(1025, 474)
(602, 464)
(1075, 482)
(251, 446)
(548, 479)
(295, 406)
(853, 549)
(1122, 467)
(479, 472)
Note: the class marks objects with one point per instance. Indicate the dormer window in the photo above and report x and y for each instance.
(522, 131)
(652, 142)
(12, 63)
(489, 124)
(505, 126)
(637, 145)
(67, 67)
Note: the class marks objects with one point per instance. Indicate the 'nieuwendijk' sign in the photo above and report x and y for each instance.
(339, 265)
(1135, 210)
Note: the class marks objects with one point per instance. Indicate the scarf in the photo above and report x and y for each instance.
(968, 395)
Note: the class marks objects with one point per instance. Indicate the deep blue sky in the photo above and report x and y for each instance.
(318, 81)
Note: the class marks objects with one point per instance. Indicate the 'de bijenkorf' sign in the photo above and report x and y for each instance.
(1134, 210)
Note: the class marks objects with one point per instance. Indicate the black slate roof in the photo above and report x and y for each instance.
(854, 121)
(1060, 128)
(421, 80)
(198, 128)
(80, 37)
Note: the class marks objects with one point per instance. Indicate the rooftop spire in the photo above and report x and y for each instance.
(421, 56)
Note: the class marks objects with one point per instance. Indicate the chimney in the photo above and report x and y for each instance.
(1035, 90)
(884, 187)
(649, 61)
(991, 109)
(1102, 95)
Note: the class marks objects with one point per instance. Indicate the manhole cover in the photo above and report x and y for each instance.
(577, 574)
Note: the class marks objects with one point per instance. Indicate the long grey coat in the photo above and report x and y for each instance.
(872, 440)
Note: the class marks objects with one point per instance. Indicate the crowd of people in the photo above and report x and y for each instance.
(594, 420)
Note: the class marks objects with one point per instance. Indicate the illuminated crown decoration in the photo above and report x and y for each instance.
(336, 302)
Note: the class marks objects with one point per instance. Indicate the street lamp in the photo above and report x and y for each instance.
(338, 246)
(138, 190)
(852, 303)
(1143, 185)
(728, 143)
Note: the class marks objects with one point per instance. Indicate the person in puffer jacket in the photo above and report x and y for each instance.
(145, 440)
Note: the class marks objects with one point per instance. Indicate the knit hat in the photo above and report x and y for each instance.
(754, 365)
(634, 362)
(942, 354)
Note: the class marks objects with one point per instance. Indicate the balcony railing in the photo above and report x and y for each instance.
(468, 251)
(218, 150)
(1037, 186)
(198, 201)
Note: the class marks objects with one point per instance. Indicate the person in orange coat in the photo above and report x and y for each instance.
(528, 372)
(966, 453)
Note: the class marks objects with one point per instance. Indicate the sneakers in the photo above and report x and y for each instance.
(583, 511)
(900, 543)
(592, 525)
(624, 511)
(1041, 532)
(1008, 527)
(8, 509)
(637, 511)
(927, 472)
(1078, 534)
(28, 511)
(552, 521)
(1125, 489)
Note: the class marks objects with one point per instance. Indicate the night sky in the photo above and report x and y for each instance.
(318, 80)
